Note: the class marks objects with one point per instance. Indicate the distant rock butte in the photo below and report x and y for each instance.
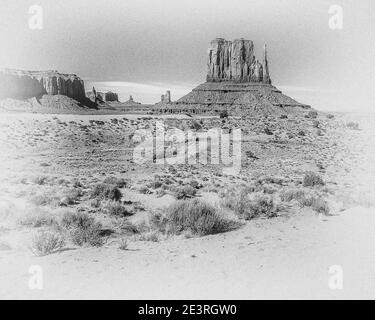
(20, 84)
(99, 97)
(235, 61)
(236, 82)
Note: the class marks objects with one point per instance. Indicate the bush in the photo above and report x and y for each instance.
(39, 180)
(261, 205)
(37, 220)
(82, 229)
(316, 203)
(195, 125)
(224, 114)
(45, 199)
(248, 206)
(46, 242)
(312, 114)
(123, 244)
(115, 208)
(268, 131)
(292, 194)
(197, 217)
(185, 192)
(70, 197)
(106, 191)
(118, 182)
(352, 125)
(149, 236)
(312, 179)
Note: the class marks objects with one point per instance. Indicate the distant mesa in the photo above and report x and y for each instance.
(236, 82)
(102, 97)
(20, 84)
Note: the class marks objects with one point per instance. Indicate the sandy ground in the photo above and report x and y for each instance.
(286, 257)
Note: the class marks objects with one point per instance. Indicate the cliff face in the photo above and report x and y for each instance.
(235, 61)
(19, 84)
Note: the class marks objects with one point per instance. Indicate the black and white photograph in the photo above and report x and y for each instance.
(187, 150)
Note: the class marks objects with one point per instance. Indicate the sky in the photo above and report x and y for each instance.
(144, 47)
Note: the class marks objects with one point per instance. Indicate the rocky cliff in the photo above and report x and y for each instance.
(235, 61)
(20, 84)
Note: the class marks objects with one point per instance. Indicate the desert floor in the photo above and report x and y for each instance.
(287, 256)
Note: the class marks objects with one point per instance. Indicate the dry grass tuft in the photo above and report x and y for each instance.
(46, 242)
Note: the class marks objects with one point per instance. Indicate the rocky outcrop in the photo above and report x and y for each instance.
(111, 96)
(98, 97)
(20, 84)
(131, 102)
(166, 98)
(235, 61)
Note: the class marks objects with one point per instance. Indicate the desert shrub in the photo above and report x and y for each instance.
(320, 205)
(236, 200)
(266, 188)
(269, 179)
(155, 184)
(149, 236)
(106, 191)
(115, 208)
(315, 124)
(312, 179)
(118, 182)
(312, 114)
(90, 236)
(123, 244)
(39, 180)
(292, 194)
(144, 190)
(77, 183)
(316, 203)
(82, 229)
(46, 242)
(268, 131)
(301, 133)
(223, 114)
(44, 199)
(352, 125)
(70, 197)
(195, 125)
(196, 216)
(161, 192)
(37, 220)
(248, 205)
(260, 205)
(130, 227)
(185, 192)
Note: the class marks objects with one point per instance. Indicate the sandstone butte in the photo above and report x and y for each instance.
(236, 82)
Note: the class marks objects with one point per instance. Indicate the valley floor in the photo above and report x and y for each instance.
(295, 255)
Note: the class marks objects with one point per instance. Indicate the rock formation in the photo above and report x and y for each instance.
(166, 98)
(235, 61)
(237, 82)
(20, 84)
(131, 102)
(100, 97)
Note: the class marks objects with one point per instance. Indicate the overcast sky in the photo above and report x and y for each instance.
(144, 47)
